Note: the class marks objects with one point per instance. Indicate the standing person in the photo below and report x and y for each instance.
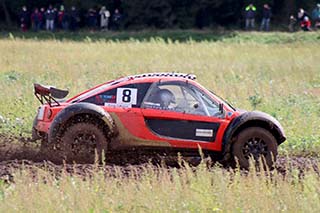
(116, 18)
(50, 16)
(104, 18)
(36, 19)
(43, 19)
(24, 19)
(66, 20)
(292, 23)
(266, 16)
(92, 19)
(316, 16)
(74, 19)
(250, 13)
(301, 15)
(60, 16)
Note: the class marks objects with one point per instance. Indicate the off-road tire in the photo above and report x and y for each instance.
(83, 143)
(257, 144)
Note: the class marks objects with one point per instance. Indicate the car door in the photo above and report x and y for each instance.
(182, 114)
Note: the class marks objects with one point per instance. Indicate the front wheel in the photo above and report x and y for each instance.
(255, 143)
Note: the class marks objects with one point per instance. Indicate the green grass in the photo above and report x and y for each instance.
(149, 189)
(278, 73)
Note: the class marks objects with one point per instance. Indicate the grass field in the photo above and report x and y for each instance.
(282, 79)
(278, 73)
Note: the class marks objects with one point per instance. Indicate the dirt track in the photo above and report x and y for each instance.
(17, 153)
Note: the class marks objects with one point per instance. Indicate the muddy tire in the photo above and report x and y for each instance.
(257, 144)
(83, 143)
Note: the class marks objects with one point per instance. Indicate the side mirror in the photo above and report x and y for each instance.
(221, 108)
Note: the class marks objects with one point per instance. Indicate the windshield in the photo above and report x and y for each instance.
(98, 90)
(223, 100)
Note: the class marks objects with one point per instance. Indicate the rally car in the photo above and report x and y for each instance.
(162, 112)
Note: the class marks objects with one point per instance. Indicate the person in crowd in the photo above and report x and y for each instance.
(92, 19)
(301, 15)
(116, 19)
(104, 18)
(292, 23)
(250, 13)
(43, 20)
(306, 24)
(36, 19)
(24, 19)
(50, 17)
(74, 19)
(316, 16)
(60, 17)
(266, 16)
(65, 20)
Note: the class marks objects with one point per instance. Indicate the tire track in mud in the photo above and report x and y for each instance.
(19, 153)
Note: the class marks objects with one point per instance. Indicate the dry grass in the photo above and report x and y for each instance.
(162, 190)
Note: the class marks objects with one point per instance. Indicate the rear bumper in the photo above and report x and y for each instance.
(39, 129)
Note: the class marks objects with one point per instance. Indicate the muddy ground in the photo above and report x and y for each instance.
(17, 153)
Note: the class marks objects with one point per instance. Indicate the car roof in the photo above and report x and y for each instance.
(153, 77)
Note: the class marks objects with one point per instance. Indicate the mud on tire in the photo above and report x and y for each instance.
(255, 143)
(82, 143)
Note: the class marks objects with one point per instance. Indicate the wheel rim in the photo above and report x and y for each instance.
(83, 143)
(255, 147)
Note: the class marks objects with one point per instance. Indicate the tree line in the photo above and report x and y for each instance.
(164, 14)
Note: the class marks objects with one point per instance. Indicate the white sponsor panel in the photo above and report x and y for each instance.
(204, 132)
(41, 113)
(114, 105)
(127, 96)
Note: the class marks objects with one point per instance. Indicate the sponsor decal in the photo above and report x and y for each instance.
(204, 132)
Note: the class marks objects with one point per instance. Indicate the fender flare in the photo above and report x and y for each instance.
(249, 119)
(73, 110)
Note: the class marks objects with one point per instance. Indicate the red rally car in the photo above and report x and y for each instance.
(162, 112)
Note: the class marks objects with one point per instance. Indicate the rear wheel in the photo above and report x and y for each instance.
(83, 142)
(255, 143)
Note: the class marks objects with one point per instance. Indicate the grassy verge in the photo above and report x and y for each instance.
(170, 36)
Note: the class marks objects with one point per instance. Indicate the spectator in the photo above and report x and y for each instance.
(116, 18)
(24, 19)
(266, 16)
(104, 18)
(250, 13)
(316, 16)
(50, 16)
(301, 15)
(92, 18)
(60, 17)
(66, 20)
(74, 19)
(306, 24)
(43, 20)
(292, 23)
(36, 19)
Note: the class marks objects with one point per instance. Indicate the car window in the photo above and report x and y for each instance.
(179, 97)
(211, 107)
(130, 95)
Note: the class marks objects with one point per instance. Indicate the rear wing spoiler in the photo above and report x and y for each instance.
(49, 94)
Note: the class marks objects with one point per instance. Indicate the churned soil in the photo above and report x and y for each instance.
(17, 154)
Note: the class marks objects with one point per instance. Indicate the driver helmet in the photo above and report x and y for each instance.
(165, 97)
